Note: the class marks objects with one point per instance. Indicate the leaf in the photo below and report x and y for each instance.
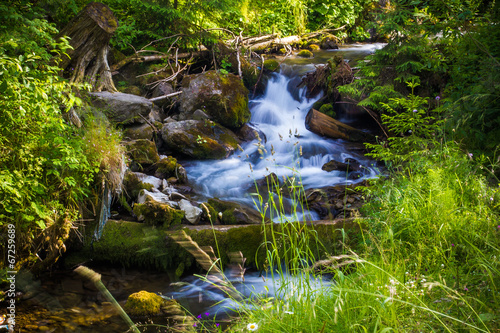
(41, 224)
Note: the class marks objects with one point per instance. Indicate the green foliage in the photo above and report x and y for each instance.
(412, 125)
(47, 166)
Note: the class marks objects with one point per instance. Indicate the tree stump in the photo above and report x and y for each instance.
(90, 32)
(324, 125)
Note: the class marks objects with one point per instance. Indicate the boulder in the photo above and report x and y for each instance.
(154, 208)
(234, 213)
(199, 139)
(142, 151)
(140, 131)
(133, 186)
(122, 108)
(329, 42)
(249, 133)
(191, 213)
(143, 303)
(222, 97)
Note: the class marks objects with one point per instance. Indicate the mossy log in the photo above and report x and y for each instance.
(89, 33)
(324, 125)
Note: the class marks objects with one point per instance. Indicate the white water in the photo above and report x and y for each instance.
(281, 117)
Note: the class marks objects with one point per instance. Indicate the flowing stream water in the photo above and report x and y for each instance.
(279, 114)
(286, 148)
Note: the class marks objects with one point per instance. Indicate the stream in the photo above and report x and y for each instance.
(62, 302)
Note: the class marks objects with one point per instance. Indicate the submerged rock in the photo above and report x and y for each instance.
(350, 165)
(199, 139)
(222, 97)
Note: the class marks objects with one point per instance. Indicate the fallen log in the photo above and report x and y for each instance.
(324, 125)
(281, 41)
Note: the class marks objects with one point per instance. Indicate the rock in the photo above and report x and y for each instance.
(200, 115)
(272, 65)
(155, 196)
(235, 213)
(162, 89)
(351, 165)
(157, 183)
(143, 303)
(329, 42)
(133, 186)
(122, 108)
(142, 151)
(305, 54)
(133, 90)
(169, 120)
(191, 213)
(223, 97)
(249, 133)
(154, 212)
(199, 139)
(140, 131)
(167, 167)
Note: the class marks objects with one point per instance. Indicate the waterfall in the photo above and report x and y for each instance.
(286, 148)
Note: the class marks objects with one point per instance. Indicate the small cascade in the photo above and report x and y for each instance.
(286, 148)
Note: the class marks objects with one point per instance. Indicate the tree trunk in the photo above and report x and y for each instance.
(324, 125)
(90, 32)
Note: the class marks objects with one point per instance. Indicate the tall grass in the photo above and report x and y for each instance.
(429, 262)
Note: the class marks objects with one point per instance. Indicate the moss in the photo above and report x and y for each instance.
(314, 47)
(271, 65)
(143, 303)
(228, 217)
(166, 167)
(180, 270)
(155, 213)
(327, 109)
(133, 186)
(305, 54)
(282, 51)
(143, 151)
(213, 213)
(133, 244)
(133, 90)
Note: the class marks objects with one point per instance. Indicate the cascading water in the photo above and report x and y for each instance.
(286, 147)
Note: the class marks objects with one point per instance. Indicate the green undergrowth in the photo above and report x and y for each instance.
(429, 260)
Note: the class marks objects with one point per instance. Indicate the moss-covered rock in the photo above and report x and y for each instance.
(329, 42)
(223, 97)
(133, 90)
(305, 54)
(137, 132)
(167, 167)
(133, 185)
(134, 244)
(328, 110)
(271, 65)
(157, 213)
(143, 303)
(234, 213)
(142, 151)
(199, 139)
(313, 47)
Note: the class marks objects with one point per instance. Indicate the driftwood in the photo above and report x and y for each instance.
(324, 125)
(89, 33)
